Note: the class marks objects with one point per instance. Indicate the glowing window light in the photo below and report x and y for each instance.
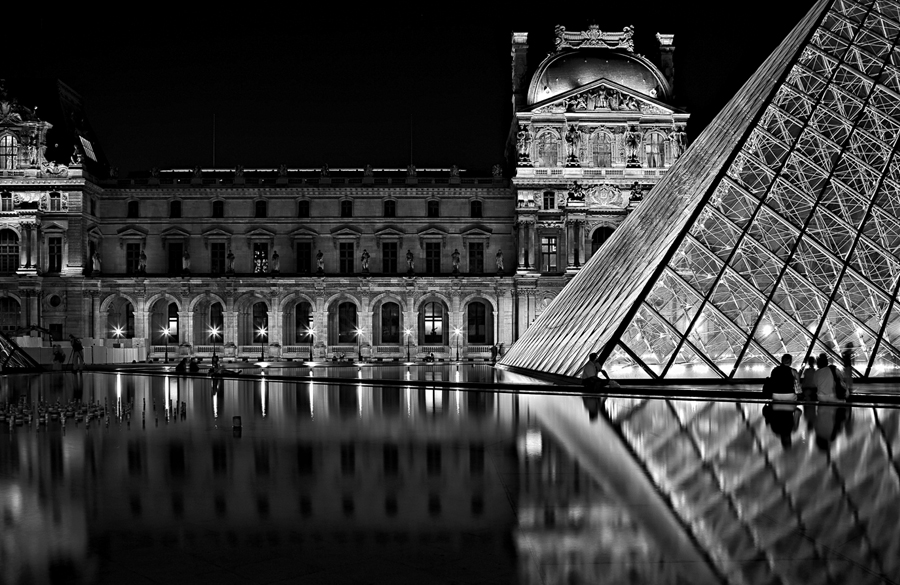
(533, 443)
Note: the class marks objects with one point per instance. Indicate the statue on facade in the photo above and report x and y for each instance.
(198, 172)
(632, 144)
(496, 171)
(637, 193)
(238, 171)
(455, 258)
(229, 263)
(364, 260)
(409, 262)
(275, 264)
(95, 263)
(142, 263)
(75, 161)
(186, 263)
(411, 170)
(325, 172)
(113, 172)
(454, 171)
(154, 172)
(320, 262)
(368, 172)
(499, 258)
(576, 192)
(677, 138)
(523, 145)
(282, 170)
(573, 139)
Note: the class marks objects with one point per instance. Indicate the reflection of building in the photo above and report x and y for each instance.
(775, 233)
(594, 131)
(331, 261)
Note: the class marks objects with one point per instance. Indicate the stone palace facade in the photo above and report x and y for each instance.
(296, 263)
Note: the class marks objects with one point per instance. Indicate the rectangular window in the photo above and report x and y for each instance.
(304, 257)
(6, 201)
(345, 257)
(260, 257)
(549, 200)
(54, 254)
(347, 208)
(132, 258)
(389, 257)
(432, 257)
(434, 208)
(548, 254)
(55, 202)
(176, 251)
(217, 255)
(476, 258)
(133, 210)
(56, 331)
(303, 208)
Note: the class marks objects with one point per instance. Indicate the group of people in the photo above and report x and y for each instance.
(817, 379)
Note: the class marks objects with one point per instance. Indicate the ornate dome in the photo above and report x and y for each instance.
(573, 68)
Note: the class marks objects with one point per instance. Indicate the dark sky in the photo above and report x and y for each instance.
(344, 86)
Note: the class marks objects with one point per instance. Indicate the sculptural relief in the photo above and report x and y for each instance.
(601, 98)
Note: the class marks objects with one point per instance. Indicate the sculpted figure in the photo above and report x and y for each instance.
(499, 258)
(275, 265)
(455, 257)
(142, 263)
(95, 262)
(496, 171)
(239, 170)
(198, 172)
(637, 193)
(364, 259)
(367, 172)
(632, 142)
(229, 262)
(677, 138)
(282, 170)
(154, 172)
(76, 158)
(411, 170)
(320, 261)
(325, 172)
(186, 262)
(454, 171)
(409, 260)
(523, 143)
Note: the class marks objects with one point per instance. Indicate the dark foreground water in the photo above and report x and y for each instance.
(352, 483)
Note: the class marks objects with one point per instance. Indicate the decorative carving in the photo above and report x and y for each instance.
(238, 171)
(11, 112)
(75, 160)
(275, 264)
(523, 145)
(499, 258)
(411, 170)
(368, 172)
(496, 171)
(154, 172)
(364, 260)
(282, 170)
(678, 138)
(113, 172)
(573, 141)
(325, 171)
(594, 37)
(54, 169)
(576, 192)
(454, 171)
(601, 98)
(637, 193)
(632, 143)
(198, 172)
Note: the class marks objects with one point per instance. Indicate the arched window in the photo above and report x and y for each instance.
(475, 209)
(390, 323)
(175, 209)
(303, 208)
(601, 143)
(9, 315)
(547, 150)
(120, 320)
(218, 208)
(9, 251)
(599, 236)
(477, 322)
(303, 322)
(6, 201)
(260, 322)
(133, 209)
(347, 208)
(9, 149)
(216, 331)
(656, 150)
(172, 322)
(390, 208)
(55, 202)
(434, 208)
(434, 322)
(346, 323)
(261, 209)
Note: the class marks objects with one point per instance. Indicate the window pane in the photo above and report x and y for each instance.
(390, 208)
(390, 323)
(347, 323)
(432, 257)
(434, 323)
(176, 251)
(434, 208)
(132, 209)
(218, 209)
(304, 257)
(548, 254)
(175, 209)
(476, 258)
(389, 257)
(477, 321)
(346, 208)
(261, 209)
(303, 208)
(346, 257)
(132, 256)
(260, 257)
(217, 255)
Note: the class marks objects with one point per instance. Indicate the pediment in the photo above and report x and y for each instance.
(389, 232)
(476, 230)
(432, 231)
(260, 233)
(175, 232)
(602, 96)
(345, 232)
(304, 233)
(52, 228)
(129, 231)
(216, 232)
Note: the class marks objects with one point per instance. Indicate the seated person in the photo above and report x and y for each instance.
(194, 366)
(181, 368)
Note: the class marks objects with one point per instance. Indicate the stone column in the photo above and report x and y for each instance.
(582, 242)
(570, 244)
(522, 241)
(33, 249)
(95, 316)
(186, 324)
(23, 246)
(523, 313)
(535, 247)
(141, 323)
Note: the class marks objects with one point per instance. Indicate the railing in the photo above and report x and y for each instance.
(162, 348)
(251, 348)
(342, 349)
(433, 349)
(207, 349)
(389, 349)
(304, 349)
(478, 349)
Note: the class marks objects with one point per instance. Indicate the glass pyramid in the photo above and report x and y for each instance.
(777, 231)
(12, 356)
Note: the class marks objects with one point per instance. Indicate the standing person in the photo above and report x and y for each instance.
(847, 362)
(808, 377)
(77, 353)
(58, 358)
(827, 381)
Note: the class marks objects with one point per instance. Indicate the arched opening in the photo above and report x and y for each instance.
(600, 235)
(10, 313)
(547, 151)
(120, 319)
(601, 149)
(387, 324)
(164, 322)
(298, 320)
(209, 322)
(254, 324)
(433, 323)
(9, 150)
(479, 323)
(342, 323)
(656, 150)
(9, 251)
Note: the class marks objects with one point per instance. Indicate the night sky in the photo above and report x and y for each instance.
(349, 87)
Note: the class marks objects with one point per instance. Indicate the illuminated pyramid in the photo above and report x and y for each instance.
(12, 356)
(776, 232)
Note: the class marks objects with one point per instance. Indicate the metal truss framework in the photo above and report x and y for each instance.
(782, 239)
(764, 512)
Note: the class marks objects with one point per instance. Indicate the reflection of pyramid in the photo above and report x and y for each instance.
(12, 356)
(777, 231)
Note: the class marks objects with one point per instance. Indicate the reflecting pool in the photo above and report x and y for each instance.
(153, 479)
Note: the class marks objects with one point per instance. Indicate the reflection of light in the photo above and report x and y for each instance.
(262, 365)
(533, 443)
(118, 387)
(757, 367)
(408, 406)
(359, 399)
(767, 329)
(263, 392)
(458, 398)
(677, 368)
(312, 413)
(701, 368)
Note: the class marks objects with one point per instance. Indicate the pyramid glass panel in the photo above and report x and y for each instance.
(776, 232)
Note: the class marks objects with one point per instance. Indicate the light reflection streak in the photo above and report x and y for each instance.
(312, 413)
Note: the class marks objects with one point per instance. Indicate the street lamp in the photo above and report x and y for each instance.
(408, 333)
(310, 334)
(359, 333)
(261, 332)
(458, 333)
(214, 334)
(166, 332)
